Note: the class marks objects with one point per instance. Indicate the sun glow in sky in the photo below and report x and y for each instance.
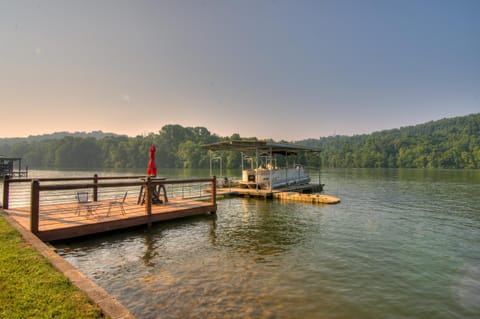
(272, 69)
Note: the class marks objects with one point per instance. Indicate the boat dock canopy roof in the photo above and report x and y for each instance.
(4, 159)
(248, 146)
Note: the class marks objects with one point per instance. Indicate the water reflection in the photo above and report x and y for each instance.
(213, 228)
(402, 244)
(261, 227)
(150, 249)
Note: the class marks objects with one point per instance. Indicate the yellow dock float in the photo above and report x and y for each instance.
(307, 198)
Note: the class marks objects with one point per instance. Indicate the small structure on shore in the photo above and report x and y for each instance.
(12, 166)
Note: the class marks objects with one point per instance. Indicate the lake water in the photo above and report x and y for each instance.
(401, 244)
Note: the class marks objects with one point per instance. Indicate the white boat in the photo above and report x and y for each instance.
(264, 172)
(263, 177)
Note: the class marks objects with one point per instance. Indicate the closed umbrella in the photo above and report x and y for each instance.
(152, 167)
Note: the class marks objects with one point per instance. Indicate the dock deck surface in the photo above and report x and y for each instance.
(307, 193)
(69, 220)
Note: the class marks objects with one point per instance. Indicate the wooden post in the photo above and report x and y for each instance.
(35, 206)
(214, 191)
(95, 187)
(6, 190)
(148, 201)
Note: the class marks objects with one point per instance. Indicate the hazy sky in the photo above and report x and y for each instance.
(272, 69)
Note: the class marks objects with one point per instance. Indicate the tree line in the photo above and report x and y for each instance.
(447, 143)
(177, 146)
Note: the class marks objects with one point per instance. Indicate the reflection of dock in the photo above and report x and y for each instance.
(54, 214)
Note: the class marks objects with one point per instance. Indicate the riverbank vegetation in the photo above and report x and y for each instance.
(447, 143)
(31, 288)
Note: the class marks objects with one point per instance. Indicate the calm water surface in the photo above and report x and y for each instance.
(402, 244)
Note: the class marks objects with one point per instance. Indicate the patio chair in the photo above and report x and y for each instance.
(82, 200)
(118, 201)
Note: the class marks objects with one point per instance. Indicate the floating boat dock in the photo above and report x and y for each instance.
(307, 193)
(267, 193)
(50, 208)
(266, 177)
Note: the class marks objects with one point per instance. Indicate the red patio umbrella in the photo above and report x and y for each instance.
(152, 168)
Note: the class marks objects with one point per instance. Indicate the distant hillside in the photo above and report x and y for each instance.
(177, 146)
(56, 136)
(446, 143)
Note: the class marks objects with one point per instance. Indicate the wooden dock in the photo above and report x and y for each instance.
(307, 193)
(266, 193)
(54, 214)
(57, 222)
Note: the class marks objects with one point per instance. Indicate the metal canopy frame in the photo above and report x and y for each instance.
(258, 148)
(247, 146)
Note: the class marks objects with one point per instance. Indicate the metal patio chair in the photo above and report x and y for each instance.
(118, 201)
(83, 203)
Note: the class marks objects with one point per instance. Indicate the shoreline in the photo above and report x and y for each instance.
(97, 295)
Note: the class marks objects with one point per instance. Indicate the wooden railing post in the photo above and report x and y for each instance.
(35, 206)
(95, 187)
(148, 200)
(214, 190)
(6, 190)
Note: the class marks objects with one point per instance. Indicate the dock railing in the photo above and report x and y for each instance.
(52, 196)
(16, 191)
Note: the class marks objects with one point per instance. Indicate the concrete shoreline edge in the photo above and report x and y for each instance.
(108, 304)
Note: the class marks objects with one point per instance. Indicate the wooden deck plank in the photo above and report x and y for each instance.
(61, 221)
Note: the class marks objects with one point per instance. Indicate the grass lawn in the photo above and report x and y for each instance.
(31, 288)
